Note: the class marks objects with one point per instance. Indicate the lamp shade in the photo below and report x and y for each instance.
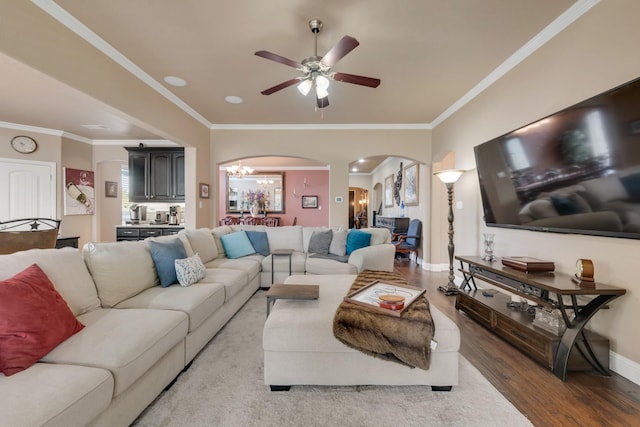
(449, 176)
(305, 86)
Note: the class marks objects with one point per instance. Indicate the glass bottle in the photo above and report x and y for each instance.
(77, 194)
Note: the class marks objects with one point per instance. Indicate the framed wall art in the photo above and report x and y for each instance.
(110, 189)
(79, 192)
(388, 191)
(310, 202)
(204, 190)
(411, 197)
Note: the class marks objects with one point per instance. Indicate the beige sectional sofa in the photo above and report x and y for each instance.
(137, 335)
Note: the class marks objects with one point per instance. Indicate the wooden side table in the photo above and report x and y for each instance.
(299, 292)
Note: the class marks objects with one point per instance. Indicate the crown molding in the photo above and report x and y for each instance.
(569, 16)
(44, 131)
(335, 126)
(135, 142)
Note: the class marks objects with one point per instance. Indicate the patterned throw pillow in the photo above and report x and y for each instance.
(190, 270)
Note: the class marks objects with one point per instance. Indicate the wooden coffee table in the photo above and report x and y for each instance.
(301, 292)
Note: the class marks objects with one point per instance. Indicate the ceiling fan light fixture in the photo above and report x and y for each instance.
(305, 86)
(322, 86)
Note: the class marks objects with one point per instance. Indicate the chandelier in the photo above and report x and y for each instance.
(239, 170)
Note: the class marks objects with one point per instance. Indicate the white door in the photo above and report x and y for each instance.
(27, 189)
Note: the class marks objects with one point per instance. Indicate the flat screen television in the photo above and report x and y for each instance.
(575, 171)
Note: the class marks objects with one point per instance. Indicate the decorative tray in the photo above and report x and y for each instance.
(368, 296)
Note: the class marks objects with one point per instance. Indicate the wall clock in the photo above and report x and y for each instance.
(24, 144)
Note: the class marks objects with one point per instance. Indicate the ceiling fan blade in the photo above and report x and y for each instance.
(322, 102)
(344, 46)
(281, 86)
(281, 59)
(358, 80)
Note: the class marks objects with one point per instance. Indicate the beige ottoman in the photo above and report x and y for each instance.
(299, 346)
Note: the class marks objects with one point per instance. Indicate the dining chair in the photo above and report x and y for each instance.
(409, 242)
(28, 233)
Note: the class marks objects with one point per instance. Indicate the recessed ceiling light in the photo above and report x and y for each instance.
(231, 99)
(354, 169)
(361, 161)
(175, 81)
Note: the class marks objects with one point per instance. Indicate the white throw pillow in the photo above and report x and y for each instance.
(190, 270)
(339, 243)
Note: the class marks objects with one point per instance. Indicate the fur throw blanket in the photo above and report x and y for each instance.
(405, 339)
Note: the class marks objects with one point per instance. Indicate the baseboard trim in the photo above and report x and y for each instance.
(624, 367)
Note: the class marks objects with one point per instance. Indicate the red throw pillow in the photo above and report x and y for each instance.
(34, 319)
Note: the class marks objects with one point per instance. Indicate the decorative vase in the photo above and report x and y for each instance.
(254, 211)
(488, 247)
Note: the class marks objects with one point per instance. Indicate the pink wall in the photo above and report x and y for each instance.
(317, 185)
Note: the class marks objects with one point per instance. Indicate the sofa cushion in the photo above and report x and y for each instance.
(125, 342)
(164, 255)
(190, 270)
(288, 237)
(203, 243)
(379, 236)
(338, 243)
(110, 265)
(281, 263)
(329, 264)
(250, 264)
(237, 245)
(217, 233)
(35, 319)
(259, 241)
(357, 239)
(320, 242)
(606, 189)
(198, 301)
(66, 270)
(34, 398)
(232, 280)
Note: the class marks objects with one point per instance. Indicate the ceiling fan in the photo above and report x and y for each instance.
(317, 70)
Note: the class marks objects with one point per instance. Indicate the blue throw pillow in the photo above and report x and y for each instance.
(164, 255)
(565, 205)
(631, 183)
(357, 239)
(237, 245)
(259, 241)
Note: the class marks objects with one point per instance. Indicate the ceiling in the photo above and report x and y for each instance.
(428, 54)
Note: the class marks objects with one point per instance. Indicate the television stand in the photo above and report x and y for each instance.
(548, 290)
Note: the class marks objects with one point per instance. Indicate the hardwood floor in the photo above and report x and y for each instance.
(585, 399)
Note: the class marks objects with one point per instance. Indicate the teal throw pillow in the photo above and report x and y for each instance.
(164, 256)
(259, 241)
(237, 245)
(357, 239)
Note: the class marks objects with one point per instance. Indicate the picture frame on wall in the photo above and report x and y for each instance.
(388, 191)
(310, 202)
(79, 192)
(411, 185)
(110, 189)
(204, 190)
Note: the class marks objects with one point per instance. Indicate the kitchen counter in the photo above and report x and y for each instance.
(143, 231)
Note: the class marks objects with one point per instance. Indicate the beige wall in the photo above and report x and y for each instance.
(596, 53)
(333, 147)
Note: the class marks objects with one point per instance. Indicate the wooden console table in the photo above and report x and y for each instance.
(551, 290)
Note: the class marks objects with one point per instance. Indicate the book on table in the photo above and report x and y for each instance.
(528, 264)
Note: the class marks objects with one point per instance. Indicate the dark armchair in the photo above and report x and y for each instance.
(409, 242)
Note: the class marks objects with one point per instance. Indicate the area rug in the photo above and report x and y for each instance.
(224, 387)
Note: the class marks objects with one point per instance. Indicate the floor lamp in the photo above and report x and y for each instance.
(449, 177)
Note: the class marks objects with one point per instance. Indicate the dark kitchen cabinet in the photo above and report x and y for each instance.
(156, 174)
